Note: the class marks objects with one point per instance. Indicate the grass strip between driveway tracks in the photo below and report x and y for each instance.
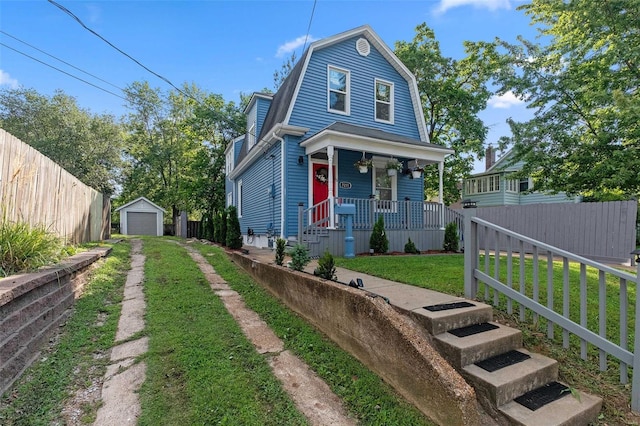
(366, 396)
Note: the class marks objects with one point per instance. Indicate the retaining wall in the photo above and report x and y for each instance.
(381, 338)
(32, 306)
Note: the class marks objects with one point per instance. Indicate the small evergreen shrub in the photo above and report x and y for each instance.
(281, 243)
(299, 257)
(234, 236)
(410, 247)
(378, 240)
(451, 237)
(326, 267)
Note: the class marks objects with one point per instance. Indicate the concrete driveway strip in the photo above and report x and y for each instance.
(311, 395)
(122, 381)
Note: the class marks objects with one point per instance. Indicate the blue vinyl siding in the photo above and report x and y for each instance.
(296, 185)
(361, 183)
(259, 210)
(310, 109)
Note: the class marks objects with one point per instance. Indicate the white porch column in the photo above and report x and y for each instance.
(441, 192)
(332, 218)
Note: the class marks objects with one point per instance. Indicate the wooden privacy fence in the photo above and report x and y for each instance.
(605, 232)
(34, 189)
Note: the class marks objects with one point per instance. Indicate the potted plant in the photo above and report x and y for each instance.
(416, 172)
(363, 164)
(393, 167)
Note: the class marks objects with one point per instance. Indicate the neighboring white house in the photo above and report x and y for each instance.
(141, 217)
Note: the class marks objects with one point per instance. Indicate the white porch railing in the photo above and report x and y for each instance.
(513, 277)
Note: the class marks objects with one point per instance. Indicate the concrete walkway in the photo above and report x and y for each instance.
(120, 402)
(404, 296)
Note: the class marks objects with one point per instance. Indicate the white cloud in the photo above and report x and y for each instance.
(505, 101)
(290, 46)
(486, 4)
(5, 79)
(95, 13)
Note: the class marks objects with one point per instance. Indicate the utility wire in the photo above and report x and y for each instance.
(309, 26)
(68, 12)
(62, 71)
(58, 59)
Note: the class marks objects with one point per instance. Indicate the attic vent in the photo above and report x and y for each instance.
(362, 46)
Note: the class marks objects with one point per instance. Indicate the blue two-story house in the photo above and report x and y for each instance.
(349, 100)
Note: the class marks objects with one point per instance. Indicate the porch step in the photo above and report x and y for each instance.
(462, 351)
(571, 410)
(505, 384)
(514, 371)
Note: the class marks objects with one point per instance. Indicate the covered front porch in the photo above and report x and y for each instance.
(381, 174)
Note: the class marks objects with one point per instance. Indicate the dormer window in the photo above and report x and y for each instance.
(384, 101)
(251, 128)
(338, 90)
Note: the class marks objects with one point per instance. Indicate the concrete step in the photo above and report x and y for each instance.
(566, 411)
(462, 351)
(437, 322)
(505, 384)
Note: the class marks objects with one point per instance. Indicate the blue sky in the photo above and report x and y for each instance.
(224, 46)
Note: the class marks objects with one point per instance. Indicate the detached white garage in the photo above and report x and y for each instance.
(141, 217)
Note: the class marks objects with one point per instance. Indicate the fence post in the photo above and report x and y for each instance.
(470, 239)
(300, 218)
(635, 380)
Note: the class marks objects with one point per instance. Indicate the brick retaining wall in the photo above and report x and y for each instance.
(33, 305)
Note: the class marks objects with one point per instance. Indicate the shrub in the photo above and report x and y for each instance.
(451, 237)
(224, 217)
(281, 243)
(378, 240)
(326, 267)
(234, 236)
(299, 257)
(24, 247)
(410, 247)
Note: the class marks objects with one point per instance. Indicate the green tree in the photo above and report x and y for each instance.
(175, 147)
(279, 76)
(86, 145)
(583, 86)
(452, 93)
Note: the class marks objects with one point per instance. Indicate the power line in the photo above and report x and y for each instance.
(68, 12)
(58, 59)
(62, 71)
(309, 26)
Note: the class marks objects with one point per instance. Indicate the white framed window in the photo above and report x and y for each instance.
(229, 199)
(239, 199)
(383, 101)
(251, 128)
(524, 185)
(229, 160)
(512, 185)
(385, 187)
(484, 184)
(338, 90)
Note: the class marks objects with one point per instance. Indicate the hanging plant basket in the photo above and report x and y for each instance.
(393, 167)
(363, 165)
(416, 173)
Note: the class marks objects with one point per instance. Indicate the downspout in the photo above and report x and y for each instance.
(283, 187)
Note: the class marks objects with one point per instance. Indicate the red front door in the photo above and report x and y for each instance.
(321, 191)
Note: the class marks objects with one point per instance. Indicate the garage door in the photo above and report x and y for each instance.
(142, 223)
